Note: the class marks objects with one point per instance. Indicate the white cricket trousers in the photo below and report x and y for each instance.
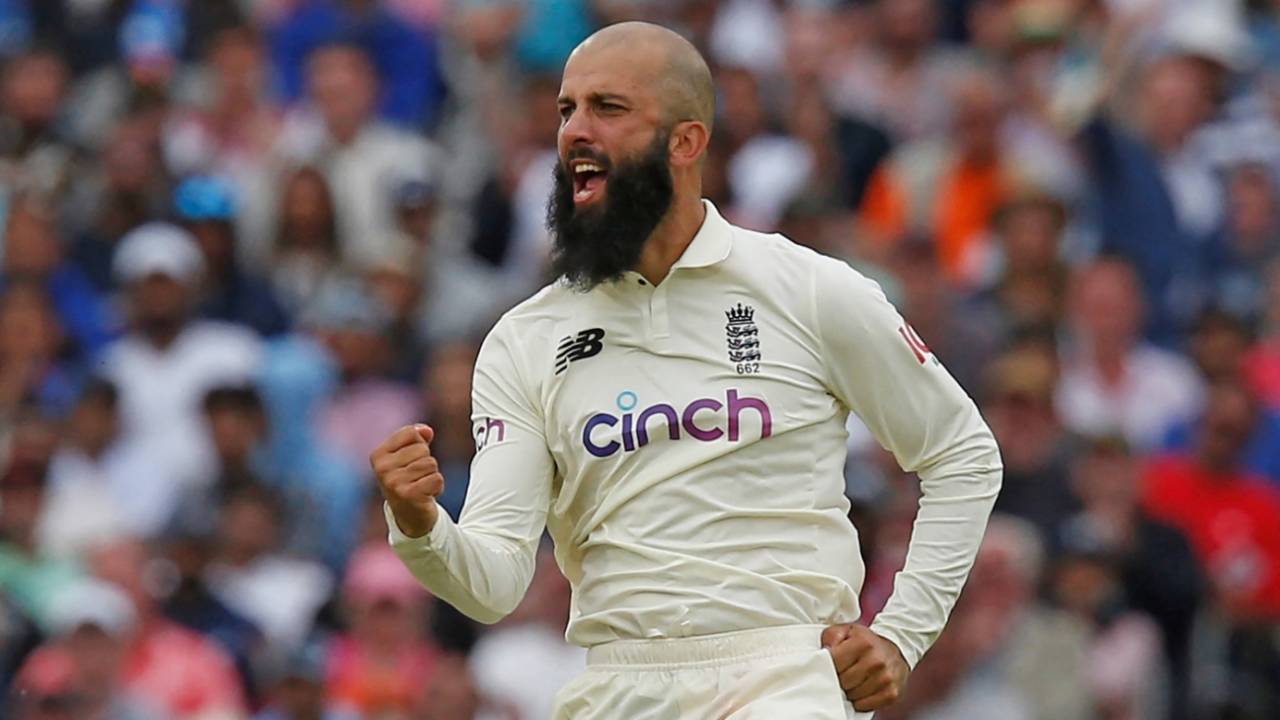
(780, 673)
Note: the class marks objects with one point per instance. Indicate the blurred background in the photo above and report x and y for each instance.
(243, 240)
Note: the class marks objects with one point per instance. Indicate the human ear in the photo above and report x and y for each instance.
(688, 143)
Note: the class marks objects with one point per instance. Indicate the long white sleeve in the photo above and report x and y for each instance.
(482, 565)
(883, 372)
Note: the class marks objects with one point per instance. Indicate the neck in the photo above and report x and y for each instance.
(161, 337)
(92, 449)
(345, 133)
(672, 236)
(1217, 468)
(1109, 357)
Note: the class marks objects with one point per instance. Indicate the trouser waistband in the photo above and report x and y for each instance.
(721, 648)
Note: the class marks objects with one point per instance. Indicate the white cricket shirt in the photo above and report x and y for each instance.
(685, 444)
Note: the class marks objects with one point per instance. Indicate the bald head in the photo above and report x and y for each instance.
(636, 104)
(670, 64)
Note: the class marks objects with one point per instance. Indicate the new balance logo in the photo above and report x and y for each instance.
(578, 347)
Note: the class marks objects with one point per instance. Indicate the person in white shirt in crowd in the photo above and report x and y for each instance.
(94, 478)
(1112, 381)
(278, 593)
(363, 158)
(673, 410)
(167, 362)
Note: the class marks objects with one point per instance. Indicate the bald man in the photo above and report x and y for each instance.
(673, 409)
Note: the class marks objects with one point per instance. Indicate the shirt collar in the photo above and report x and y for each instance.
(712, 242)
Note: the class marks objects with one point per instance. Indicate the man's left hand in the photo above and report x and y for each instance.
(872, 670)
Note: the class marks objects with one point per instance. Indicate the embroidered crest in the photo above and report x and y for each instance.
(742, 337)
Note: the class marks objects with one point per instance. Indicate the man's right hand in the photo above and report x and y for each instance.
(410, 478)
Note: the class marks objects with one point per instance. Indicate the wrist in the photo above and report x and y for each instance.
(415, 523)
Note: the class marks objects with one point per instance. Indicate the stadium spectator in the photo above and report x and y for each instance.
(1019, 406)
(305, 253)
(1158, 203)
(404, 58)
(962, 340)
(33, 252)
(949, 187)
(297, 381)
(281, 595)
(453, 695)
(143, 87)
(123, 192)
(28, 578)
(94, 478)
(382, 665)
(898, 80)
(363, 158)
(1227, 512)
(395, 286)
(1027, 286)
(188, 600)
(168, 361)
(508, 247)
(1250, 242)
(295, 690)
(31, 345)
(180, 671)
(232, 293)
(458, 291)
(1158, 573)
(92, 624)
(992, 659)
(1112, 381)
(228, 129)
(1125, 674)
(1229, 516)
(17, 639)
(1219, 345)
(34, 150)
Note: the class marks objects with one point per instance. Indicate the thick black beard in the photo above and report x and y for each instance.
(597, 245)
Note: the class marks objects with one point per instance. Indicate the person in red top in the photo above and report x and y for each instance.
(382, 666)
(183, 673)
(1231, 517)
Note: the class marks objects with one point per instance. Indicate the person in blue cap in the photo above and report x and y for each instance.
(206, 206)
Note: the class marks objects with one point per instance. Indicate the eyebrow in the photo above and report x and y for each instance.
(597, 98)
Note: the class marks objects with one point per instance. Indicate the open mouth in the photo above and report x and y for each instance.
(589, 178)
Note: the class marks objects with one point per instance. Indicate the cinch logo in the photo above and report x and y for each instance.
(488, 431)
(693, 420)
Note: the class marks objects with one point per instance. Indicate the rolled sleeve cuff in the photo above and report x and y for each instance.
(910, 652)
(403, 543)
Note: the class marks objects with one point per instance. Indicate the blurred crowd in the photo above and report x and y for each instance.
(243, 240)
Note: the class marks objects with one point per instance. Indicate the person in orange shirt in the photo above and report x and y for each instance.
(948, 188)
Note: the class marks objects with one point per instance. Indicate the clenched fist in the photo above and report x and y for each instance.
(410, 478)
(871, 669)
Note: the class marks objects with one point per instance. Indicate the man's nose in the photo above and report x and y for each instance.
(577, 129)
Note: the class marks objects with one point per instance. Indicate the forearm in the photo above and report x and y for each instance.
(483, 574)
(958, 497)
